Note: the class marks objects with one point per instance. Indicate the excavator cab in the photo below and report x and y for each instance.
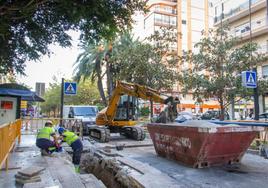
(120, 116)
(127, 109)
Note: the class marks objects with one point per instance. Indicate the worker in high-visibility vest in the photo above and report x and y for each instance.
(44, 141)
(72, 140)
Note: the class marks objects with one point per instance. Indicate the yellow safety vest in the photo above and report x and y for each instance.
(45, 132)
(69, 137)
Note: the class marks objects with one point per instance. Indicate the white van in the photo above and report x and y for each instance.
(85, 112)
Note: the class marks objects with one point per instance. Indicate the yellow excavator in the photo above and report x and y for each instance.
(121, 113)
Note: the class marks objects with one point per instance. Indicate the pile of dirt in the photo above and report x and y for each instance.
(110, 171)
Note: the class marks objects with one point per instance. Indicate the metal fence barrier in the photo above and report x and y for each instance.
(34, 124)
(9, 133)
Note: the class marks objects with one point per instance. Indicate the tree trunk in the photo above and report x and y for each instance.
(151, 109)
(222, 108)
(232, 108)
(109, 79)
(99, 81)
(101, 91)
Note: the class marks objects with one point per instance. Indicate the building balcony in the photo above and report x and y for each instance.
(259, 27)
(164, 24)
(165, 2)
(173, 13)
(240, 12)
(263, 49)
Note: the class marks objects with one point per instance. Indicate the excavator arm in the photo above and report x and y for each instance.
(107, 115)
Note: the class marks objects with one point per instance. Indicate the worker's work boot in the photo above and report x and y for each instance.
(77, 168)
(51, 149)
(44, 152)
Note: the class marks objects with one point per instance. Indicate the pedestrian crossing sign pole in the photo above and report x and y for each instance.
(249, 79)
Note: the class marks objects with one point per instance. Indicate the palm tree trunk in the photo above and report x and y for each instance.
(99, 81)
(101, 91)
(109, 79)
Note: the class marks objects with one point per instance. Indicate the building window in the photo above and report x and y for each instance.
(265, 71)
(164, 19)
(266, 103)
(210, 4)
(242, 29)
(183, 21)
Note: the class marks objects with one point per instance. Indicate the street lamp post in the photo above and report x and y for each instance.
(256, 92)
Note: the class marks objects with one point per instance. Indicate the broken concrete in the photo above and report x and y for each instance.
(124, 172)
(64, 171)
(31, 180)
(137, 167)
(20, 176)
(141, 165)
(29, 156)
(90, 181)
(31, 171)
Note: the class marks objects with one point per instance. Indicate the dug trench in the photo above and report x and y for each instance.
(105, 165)
(109, 170)
(117, 171)
(140, 167)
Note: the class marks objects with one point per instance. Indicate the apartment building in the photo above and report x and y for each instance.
(237, 14)
(188, 18)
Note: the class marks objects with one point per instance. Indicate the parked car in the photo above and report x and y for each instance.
(263, 116)
(86, 113)
(184, 116)
(213, 115)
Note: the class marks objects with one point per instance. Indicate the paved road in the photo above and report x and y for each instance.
(252, 173)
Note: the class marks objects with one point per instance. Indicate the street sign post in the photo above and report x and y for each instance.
(70, 88)
(249, 79)
(67, 88)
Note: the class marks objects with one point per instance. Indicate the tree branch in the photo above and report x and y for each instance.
(228, 103)
(5, 10)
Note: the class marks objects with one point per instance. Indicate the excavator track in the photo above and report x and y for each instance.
(101, 134)
(133, 132)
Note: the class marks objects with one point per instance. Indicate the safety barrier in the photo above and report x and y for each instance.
(9, 133)
(33, 124)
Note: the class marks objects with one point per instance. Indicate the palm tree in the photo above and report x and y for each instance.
(89, 65)
(99, 60)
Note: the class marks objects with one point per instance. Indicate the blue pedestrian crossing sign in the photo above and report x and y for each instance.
(70, 88)
(249, 79)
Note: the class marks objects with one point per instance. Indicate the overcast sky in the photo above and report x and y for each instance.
(59, 64)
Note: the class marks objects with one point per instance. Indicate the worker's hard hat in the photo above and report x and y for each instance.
(61, 130)
(48, 123)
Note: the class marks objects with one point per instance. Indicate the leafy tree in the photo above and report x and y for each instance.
(28, 27)
(87, 94)
(220, 56)
(130, 60)
(145, 111)
(152, 62)
(52, 99)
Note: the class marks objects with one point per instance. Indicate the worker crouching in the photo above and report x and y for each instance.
(44, 141)
(72, 140)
